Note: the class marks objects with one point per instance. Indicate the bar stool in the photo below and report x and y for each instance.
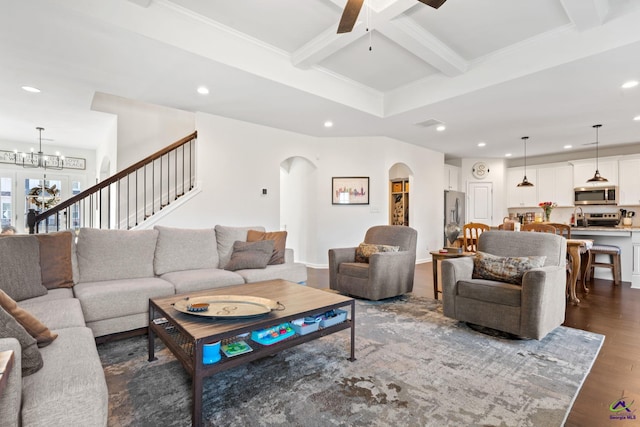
(614, 264)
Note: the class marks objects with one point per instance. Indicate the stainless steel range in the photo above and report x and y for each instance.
(609, 219)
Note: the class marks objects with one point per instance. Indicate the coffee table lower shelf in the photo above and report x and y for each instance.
(185, 335)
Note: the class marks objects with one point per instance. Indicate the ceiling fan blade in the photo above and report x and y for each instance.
(349, 16)
(433, 3)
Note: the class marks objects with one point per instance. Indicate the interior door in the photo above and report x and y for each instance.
(480, 202)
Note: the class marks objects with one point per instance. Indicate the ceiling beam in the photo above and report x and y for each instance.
(391, 22)
(420, 42)
(586, 14)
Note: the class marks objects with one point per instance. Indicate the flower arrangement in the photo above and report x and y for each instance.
(547, 207)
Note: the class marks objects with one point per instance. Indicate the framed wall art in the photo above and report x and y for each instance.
(352, 190)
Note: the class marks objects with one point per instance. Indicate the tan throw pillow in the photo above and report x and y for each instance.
(279, 243)
(250, 255)
(31, 357)
(33, 326)
(365, 250)
(55, 259)
(504, 269)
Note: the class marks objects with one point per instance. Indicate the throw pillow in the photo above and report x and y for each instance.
(33, 326)
(504, 269)
(31, 357)
(55, 259)
(226, 236)
(279, 238)
(365, 250)
(181, 249)
(21, 278)
(250, 255)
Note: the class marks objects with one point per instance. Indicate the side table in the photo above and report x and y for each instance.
(439, 256)
(6, 363)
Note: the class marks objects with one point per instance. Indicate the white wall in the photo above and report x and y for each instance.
(236, 160)
(143, 128)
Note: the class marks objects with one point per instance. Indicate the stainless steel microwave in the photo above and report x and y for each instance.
(605, 195)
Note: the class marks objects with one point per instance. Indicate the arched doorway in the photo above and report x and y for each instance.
(400, 177)
(297, 206)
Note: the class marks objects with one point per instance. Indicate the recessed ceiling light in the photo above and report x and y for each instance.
(202, 90)
(508, 155)
(630, 84)
(31, 89)
(328, 124)
(637, 118)
(481, 144)
(440, 128)
(566, 147)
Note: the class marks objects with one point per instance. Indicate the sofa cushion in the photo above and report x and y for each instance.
(226, 237)
(56, 314)
(201, 279)
(31, 357)
(55, 259)
(70, 389)
(184, 249)
(279, 243)
(354, 269)
(365, 250)
(115, 254)
(21, 277)
(116, 298)
(490, 291)
(504, 269)
(29, 322)
(293, 272)
(250, 255)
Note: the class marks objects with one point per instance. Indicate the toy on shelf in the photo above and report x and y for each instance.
(273, 334)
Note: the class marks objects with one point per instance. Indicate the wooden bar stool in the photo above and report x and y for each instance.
(614, 264)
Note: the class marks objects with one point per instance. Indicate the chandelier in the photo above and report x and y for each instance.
(39, 159)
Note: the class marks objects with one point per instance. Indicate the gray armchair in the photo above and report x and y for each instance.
(530, 310)
(387, 274)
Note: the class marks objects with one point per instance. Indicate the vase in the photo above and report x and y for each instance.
(547, 215)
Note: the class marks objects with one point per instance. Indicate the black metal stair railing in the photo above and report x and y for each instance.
(127, 198)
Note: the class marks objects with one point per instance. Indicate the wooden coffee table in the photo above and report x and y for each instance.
(185, 334)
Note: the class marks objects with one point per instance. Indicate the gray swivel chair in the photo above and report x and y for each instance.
(530, 310)
(387, 274)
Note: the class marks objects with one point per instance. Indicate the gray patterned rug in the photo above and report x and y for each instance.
(414, 367)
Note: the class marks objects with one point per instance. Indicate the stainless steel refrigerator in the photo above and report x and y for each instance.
(454, 210)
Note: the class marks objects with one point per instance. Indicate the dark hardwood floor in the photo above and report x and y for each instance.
(613, 311)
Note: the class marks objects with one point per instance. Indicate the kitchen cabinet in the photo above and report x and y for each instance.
(635, 273)
(584, 170)
(451, 178)
(520, 197)
(555, 184)
(628, 185)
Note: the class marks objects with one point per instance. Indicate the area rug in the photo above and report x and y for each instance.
(414, 367)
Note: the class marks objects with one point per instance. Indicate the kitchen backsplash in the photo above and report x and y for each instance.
(563, 214)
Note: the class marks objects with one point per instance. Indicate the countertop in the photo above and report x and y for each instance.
(596, 228)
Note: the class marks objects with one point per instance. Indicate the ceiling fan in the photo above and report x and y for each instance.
(352, 10)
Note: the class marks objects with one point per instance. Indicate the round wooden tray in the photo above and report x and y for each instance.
(228, 306)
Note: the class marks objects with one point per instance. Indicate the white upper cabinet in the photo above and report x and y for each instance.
(451, 178)
(520, 197)
(629, 185)
(584, 170)
(555, 184)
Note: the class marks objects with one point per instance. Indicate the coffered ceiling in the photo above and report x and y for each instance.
(490, 70)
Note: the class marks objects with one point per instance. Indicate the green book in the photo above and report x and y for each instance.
(236, 348)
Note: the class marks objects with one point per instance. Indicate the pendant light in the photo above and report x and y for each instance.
(596, 176)
(525, 182)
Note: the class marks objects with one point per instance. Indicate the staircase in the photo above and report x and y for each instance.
(128, 198)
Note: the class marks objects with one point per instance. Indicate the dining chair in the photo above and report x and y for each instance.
(507, 226)
(563, 230)
(470, 233)
(536, 226)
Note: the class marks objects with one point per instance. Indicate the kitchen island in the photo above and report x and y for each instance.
(627, 238)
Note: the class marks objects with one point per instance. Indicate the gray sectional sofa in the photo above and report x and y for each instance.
(96, 283)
